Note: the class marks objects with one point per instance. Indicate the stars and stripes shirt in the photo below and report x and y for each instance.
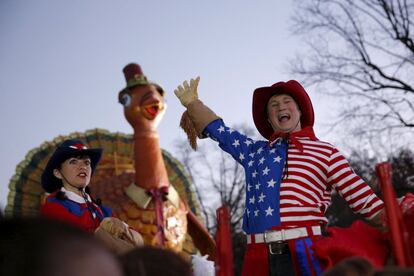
(304, 193)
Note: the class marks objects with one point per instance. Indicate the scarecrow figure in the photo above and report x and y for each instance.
(289, 176)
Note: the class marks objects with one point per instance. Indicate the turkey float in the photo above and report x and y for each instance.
(143, 184)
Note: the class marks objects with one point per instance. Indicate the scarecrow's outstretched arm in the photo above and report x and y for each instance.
(198, 115)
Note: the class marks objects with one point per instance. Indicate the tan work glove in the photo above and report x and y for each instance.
(117, 235)
(187, 93)
(197, 116)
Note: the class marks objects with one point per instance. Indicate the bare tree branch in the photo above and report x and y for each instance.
(362, 51)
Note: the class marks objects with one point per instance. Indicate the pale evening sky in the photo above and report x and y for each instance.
(61, 63)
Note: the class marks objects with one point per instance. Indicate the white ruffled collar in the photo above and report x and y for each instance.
(74, 197)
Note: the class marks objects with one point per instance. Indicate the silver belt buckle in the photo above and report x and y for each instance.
(276, 248)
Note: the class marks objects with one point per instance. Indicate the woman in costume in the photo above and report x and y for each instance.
(66, 177)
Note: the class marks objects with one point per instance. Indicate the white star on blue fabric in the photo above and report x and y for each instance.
(269, 211)
(251, 162)
(252, 200)
(261, 160)
(236, 143)
(256, 213)
(220, 129)
(266, 171)
(258, 186)
(248, 142)
(251, 154)
(277, 159)
(261, 197)
(241, 156)
(259, 150)
(254, 174)
(271, 183)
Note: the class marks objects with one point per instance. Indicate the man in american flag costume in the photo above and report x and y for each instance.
(289, 177)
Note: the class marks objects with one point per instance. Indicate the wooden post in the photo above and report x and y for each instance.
(399, 242)
(224, 261)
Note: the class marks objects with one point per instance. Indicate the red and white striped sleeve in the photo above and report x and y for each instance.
(357, 193)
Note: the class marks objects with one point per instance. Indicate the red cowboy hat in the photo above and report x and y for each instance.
(292, 88)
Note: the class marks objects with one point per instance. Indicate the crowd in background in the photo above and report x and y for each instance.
(44, 247)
